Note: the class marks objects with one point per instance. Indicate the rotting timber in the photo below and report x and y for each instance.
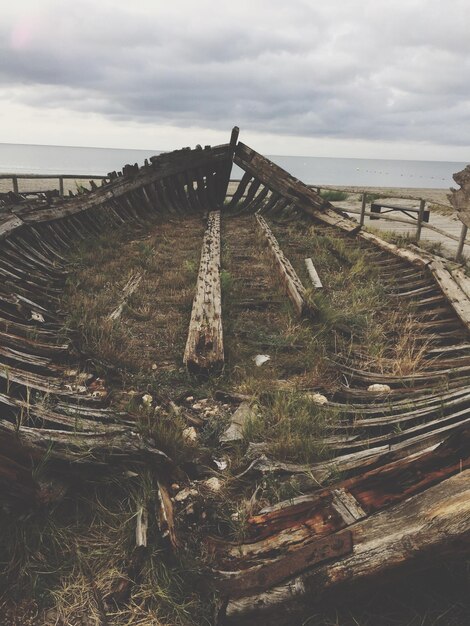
(403, 456)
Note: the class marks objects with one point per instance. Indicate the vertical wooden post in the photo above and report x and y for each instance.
(318, 190)
(225, 180)
(463, 235)
(61, 186)
(422, 204)
(363, 210)
(15, 183)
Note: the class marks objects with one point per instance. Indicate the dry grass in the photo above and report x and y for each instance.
(67, 561)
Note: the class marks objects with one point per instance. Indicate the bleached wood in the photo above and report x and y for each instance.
(312, 272)
(204, 347)
(294, 287)
(141, 526)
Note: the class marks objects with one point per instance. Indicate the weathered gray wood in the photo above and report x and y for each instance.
(204, 348)
(312, 272)
(422, 205)
(293, 285)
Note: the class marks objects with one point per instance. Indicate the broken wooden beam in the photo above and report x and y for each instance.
(312, 272)
(293, 285)
(204, 350)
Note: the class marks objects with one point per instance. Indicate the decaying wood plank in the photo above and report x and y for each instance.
(393, 512)
(290, 188)
(454, 294)
(433, 523)
(204, 348)
(312, 272)
(294, 288)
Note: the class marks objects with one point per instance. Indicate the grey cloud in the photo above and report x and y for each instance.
(368, 70)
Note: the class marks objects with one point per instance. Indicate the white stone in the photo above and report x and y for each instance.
(147, 399)
(317, 398)
(37, 317)
(221, 464)
(214, 484)
(259, 359)
(378, 388)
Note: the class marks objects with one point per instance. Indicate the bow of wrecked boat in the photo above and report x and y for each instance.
(234, 378)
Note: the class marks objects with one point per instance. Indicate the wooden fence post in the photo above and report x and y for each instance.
(61, 186)
(463, 235)
(422, 205)
(363, 210)
(15, 183)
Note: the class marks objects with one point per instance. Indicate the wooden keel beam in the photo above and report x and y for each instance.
(204, 348)
(293, 285)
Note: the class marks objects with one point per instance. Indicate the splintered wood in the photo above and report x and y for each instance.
(205, 349)
(294, 288)
(312, 272)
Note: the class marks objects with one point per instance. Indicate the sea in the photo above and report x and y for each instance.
(37, 159)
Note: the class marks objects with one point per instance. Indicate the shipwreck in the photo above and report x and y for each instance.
(396, 487)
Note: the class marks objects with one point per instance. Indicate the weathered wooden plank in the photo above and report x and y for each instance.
(294, 288)
(204, 350)
(454, 294)
(312, 272)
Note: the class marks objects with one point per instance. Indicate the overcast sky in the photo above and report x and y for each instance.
(365, 78)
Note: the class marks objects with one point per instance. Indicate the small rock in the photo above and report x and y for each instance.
(221, 464)
(37, 317)
(147, 399)
(185, 493)
(190, 434)
(317, 398)
(378, 388)
(154, 366)
(259, 359)
(189, 398)
(213, 484)
(197, 406)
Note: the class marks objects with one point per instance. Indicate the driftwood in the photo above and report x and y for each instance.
(204, 348)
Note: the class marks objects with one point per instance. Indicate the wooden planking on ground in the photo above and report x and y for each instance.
(204, 350)
(294, 288)
(312, 272)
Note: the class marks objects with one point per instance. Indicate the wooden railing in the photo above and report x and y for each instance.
(59, 177)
